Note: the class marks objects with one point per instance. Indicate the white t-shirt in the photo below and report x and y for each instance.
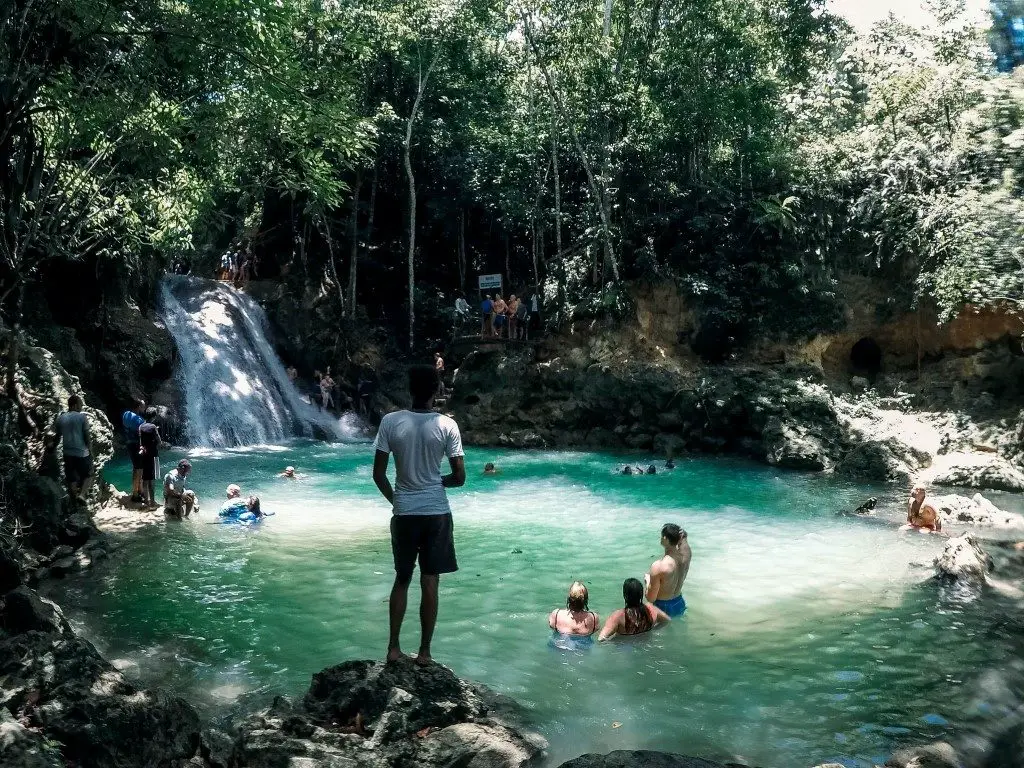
(175, 481)
(419, 441)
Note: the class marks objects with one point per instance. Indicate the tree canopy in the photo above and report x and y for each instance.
(377, 155)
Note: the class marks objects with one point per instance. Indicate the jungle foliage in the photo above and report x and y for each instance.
(376, 155)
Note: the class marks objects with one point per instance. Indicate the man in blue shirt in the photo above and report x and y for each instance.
(131, 420)
(487, 312)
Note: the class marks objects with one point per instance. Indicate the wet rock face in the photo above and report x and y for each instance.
(937, 755)
(963, 561)
(60, 685)
(638, 759)
(976, 510)
(366, 713)
(996, 474)
(889, 460)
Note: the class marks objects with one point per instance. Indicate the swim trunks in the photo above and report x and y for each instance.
(673, 607)
(564, 642)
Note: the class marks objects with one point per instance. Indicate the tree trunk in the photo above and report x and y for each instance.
(462, 249)
(407, 161)
(373, 208)
(559, 262)
(330, 261)
(508, 269)
(14, 350)
(595, 189)
(353, 266)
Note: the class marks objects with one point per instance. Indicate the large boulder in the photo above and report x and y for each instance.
(366, 713)
(794, 447)
(989, 472)
(963, 561)
(888, 460)
(638, 758)
(976, 510)
(21, 747)
(937, 755)
(23, 610)
(60, 686)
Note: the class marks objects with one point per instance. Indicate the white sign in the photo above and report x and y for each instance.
(489, 281)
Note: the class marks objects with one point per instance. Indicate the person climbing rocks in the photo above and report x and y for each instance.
(149, 457)
(921, 513)
(421, 519)
(71, 429)
(636, 617)
(664, 582)
(179, 501)
(131, 420)
(327, 389)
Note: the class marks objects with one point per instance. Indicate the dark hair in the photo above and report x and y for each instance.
(638, 618)
(151, 413)
(74, 400)
(254, 505)
(673, 533)
(423, 383)
(184, 464)
(488, 466)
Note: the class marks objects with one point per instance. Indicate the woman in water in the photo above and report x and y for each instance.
(574, 625)
(637, 617)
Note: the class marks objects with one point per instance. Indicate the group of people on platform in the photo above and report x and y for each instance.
(327, 394)
(237, 266)
(505, 319)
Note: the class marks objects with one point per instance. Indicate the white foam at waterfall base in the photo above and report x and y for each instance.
(236, 391)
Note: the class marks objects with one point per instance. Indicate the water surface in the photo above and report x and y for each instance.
(809, 636)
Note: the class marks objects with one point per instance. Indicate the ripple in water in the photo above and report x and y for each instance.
(809, 636)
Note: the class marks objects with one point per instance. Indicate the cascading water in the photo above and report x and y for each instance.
(235, 389)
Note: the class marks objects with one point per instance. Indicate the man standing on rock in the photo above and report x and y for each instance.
(666, 577)
(421, 520)
(131, 420)
(72, 429)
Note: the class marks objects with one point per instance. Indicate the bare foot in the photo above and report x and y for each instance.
(395, 654)
(423, 659)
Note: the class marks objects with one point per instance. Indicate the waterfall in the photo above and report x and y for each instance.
(236, 391)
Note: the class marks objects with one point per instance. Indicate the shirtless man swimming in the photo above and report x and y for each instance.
(921, 513)
(664, 582)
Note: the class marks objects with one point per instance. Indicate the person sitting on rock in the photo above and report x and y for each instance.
(636, 617)
(921, 513)
(179, 501)
(575, 625)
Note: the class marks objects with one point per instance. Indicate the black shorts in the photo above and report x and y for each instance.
(77, 468)
(133, 454)
(150, 468)
(429, 537)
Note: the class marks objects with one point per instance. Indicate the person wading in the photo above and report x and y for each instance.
(421, 520)
(131, 420)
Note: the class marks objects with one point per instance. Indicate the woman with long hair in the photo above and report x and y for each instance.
(574, 626)
(636, 617)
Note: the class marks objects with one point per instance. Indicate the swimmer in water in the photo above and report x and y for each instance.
(627, 470)
(290, 473)
(670, 463)
(921, 513)
(664, 582)
(636, 617)
(490, 469)
(574, 625)
(235, 505)
(652, 470)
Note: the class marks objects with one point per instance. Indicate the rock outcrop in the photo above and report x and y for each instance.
(976, 510)
(991, 472)
(639, 759)
(366, 713)
(71, 707)
(963, 562)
